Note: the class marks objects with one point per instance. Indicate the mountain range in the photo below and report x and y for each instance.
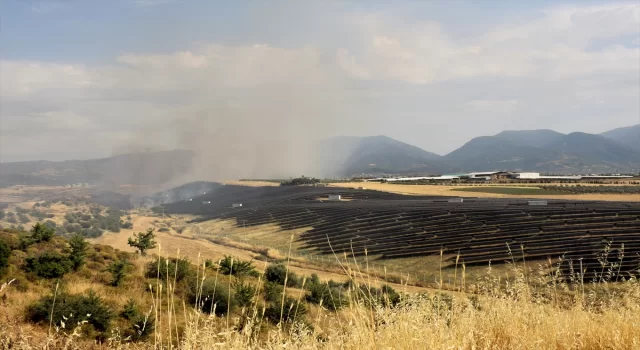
(547, 151)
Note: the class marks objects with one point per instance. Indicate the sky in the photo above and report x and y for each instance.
(253, 80)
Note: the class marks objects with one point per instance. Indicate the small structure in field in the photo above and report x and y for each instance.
(206, 202)
(236, 205)
(537, 202)
(455, 200)
(335, 197)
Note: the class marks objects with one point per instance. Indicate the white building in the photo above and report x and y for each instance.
(335, 197)
(236, 205)
(527, 175)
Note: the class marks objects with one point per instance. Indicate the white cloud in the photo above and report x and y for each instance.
(409, 81)
(554, 47)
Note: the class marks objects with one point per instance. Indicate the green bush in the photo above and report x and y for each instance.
(48, 265)
(2, 214)
(278, 274)
(322, 294)
(273, 292)
(214, 297)
(127, 225)
(292, 311)
(23, 218)
(21, 210)
(71, 309)
(141, 326)
(77, 250)
(236, 267)
(168, 269)
(5, 252)
(244, 293)
(41, 233)
(118, 270)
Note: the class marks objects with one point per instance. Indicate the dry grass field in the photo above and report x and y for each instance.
(441, 190)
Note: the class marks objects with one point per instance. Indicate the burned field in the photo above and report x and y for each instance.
(578, 235)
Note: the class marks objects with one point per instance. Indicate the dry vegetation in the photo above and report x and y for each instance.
(518, 309)
(442, 190)
(491, 307)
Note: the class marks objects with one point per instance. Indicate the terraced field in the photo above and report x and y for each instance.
(389, 226)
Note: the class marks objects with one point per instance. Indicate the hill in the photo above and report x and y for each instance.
(150, 168)
(348, 156)
(629, 136)
(546, 151)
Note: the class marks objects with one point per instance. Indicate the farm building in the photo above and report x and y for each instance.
(236, 205)
(537, 202)
(206, 202)
(335, 197)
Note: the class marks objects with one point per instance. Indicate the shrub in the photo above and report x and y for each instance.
(273, 292)
(244, 293)
(23, 218)
(169, 272)
(91, 232)
(41, 233)
(2, 214)
(5, 252)
(164, 229)
(214, 297)
(143, 241)
(48, 265)
(50, 224)
(291, 311)
(118, 270)
(71, 309)
(21, 210)
(236, 267)
(322, 294)
(130, 310)
(278, 274)
(127, 225)
(77, 250)
(141, 326)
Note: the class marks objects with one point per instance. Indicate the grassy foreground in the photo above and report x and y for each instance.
(519, 309)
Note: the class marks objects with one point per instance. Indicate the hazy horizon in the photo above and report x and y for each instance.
(242, 82)
(155, 149)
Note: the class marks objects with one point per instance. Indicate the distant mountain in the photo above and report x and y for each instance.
(348, 156)
(148, 169)
(545, 151)
(629, 136)
(531, 138)
(496, 153)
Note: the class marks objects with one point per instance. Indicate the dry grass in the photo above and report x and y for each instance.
(527, 312)
(440, 190)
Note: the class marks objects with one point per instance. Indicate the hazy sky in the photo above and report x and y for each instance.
(81, 79)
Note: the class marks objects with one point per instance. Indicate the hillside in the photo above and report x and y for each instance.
(348, 156)
(546, 151)
(629, 136)
(150, 168)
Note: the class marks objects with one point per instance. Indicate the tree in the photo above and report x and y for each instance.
(118, 270)
(41, 233)
(143, 241)
(77, 250)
